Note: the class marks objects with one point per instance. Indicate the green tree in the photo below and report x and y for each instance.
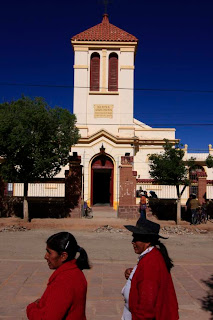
(169, 168)
(35, 141)
(209, 161)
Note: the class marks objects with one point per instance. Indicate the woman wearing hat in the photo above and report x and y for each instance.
(149, 293)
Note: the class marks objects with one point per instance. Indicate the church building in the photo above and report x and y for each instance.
(110, 163)
(104, 67)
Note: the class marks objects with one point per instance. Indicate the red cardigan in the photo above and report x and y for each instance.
(152, 294)
(64, 297)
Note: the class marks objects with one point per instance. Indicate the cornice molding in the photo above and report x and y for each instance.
(155, 129)
(103, 92)
(80, 66)
(127, 67)
(119, 140)
(86, 45)
(126, 49)
(81, 48)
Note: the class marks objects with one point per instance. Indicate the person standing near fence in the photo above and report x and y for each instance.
(143, 204)
(194, 204)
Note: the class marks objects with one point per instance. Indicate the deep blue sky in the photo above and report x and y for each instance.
(175, 51)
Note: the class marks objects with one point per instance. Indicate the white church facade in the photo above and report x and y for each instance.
(111, 138)
(104, 66)
(104, 105)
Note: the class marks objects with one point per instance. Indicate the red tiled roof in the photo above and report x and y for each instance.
(104, 31)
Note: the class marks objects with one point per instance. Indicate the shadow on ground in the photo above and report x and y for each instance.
(207, 301)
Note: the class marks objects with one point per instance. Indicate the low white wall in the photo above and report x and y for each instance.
(209, 192)
(58, 190)
(40, 190)
(164, 191)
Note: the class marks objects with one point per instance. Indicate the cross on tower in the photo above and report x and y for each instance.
(106, 2)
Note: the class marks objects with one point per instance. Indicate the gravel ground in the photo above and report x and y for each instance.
(105, 243)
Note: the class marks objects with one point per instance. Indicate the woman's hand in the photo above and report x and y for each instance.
(127, 272)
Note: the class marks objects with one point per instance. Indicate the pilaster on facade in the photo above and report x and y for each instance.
(104, 71)
(185, 149)
(210, 150)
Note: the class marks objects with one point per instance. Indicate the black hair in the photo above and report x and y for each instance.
(164, 252)
(154, 241)
(66, 242)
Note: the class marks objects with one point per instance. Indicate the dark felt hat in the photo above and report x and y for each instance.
(145, 227)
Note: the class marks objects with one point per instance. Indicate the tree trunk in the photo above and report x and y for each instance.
(25, 203)
(178, 210)
(179, 195)
(178, 205)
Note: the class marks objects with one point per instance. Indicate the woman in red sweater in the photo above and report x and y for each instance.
(149, 292)
(65, 295)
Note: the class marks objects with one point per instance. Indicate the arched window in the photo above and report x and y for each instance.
(194, 172)
(113, 72)
(94, 72)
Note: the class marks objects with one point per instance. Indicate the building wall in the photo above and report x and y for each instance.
(122, 100)
(209, 172)
(120, 122)
(155, 133)
(81, 85)
(89, 152)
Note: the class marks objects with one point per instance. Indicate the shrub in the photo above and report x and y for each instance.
(13, 206)
(10, 206)
(165, 209)
(209, 209)
(49, 209)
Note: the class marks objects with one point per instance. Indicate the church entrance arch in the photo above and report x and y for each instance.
(102, 170)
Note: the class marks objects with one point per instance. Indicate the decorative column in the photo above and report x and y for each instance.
(73, 186)
(202, 183)
(104, 74)
(127, 196)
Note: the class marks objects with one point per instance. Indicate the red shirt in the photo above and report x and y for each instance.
(64, 297)
(152, 294)
(143, 200)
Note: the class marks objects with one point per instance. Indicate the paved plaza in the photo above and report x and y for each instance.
(24, 272)
(24, 281)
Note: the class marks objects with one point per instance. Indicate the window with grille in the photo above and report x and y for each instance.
(113, 72)
(95, 72)
(9, 189)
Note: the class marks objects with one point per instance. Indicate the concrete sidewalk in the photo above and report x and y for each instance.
(101, 216)
(22, 282)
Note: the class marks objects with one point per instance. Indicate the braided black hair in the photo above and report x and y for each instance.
(66, 242)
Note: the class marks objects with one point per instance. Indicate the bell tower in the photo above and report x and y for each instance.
(104, 79)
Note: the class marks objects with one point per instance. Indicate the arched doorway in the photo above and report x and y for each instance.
(102, 171)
